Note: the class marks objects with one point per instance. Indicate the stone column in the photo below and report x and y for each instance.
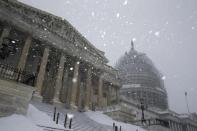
(5, 33)
(173, 126)
(58, 84)
(170, 125)
(109, 96)
(187, 127)
(23, 58)
(88, 89)
(74, 86)
(100, 91)
(42, 70)
(117, 94)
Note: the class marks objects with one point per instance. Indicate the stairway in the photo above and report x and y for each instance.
(80, 122)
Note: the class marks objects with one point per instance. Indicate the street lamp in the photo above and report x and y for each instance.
(186, 99)
(142, 107)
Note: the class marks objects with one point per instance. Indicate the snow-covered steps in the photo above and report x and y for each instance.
(81, 122)
(48, 128)
(86, 121)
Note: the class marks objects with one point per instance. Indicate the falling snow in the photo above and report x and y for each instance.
(134, 39)
(163, 78)
(157, 33)
(150, 32)
(177, 28)
(74, 80)
(93, 14)
(117, 15)
(125, 2)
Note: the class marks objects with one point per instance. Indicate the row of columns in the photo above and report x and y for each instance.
(174, 126)
(58, 84)
(191, 128)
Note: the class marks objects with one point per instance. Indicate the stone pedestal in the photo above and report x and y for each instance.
(88, 89)
(14, 97)
(37, 97)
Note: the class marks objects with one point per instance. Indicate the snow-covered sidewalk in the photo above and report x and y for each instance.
(29, 122)
(106, 120)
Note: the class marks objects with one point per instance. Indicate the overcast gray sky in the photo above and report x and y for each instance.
(166, 30)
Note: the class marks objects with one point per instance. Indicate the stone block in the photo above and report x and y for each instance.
(14, 97)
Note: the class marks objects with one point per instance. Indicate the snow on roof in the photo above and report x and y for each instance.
(106, 120)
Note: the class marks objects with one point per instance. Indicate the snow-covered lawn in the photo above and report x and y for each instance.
(106, 120)
(17, 123)
(27, 123)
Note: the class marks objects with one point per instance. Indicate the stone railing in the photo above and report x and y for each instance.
(14, 97)
(14, 74)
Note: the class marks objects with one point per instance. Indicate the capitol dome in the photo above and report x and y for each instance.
(141, 80)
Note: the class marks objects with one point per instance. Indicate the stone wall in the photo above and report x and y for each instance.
(14, 97)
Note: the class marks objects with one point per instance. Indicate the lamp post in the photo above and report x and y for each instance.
(142, 107)
(186, 99)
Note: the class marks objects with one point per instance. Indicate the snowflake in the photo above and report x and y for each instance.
(125, 2)
(74, 80)
(67, 2)
(163, 78)
(103, 34)
(134, 39)
(71, 68)
(117, 15)
(93, 14)
(85, 48)
(150, 32)
(157, 33)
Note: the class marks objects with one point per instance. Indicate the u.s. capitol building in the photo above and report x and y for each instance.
(143, 97)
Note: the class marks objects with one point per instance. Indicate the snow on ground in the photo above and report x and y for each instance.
(34, 117)
(41, 118)
(17, 123)
(106, 120)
